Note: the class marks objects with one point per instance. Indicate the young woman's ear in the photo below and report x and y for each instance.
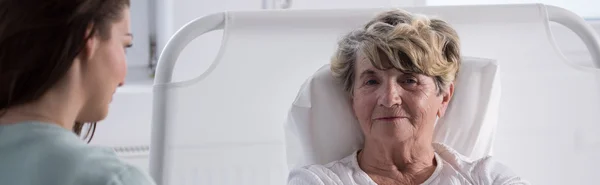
(91, 45)
(446, 97)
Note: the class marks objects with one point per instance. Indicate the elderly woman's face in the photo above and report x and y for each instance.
(394, 106)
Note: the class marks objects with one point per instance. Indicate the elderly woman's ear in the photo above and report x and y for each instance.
(446, 97)
(350, 96)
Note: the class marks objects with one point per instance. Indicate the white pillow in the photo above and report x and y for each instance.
(321, 127)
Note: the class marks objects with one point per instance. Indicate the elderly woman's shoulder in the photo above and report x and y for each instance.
(342, 171)
(485, 169)
(315, 174)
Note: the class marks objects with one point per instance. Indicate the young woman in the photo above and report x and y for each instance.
(60, 63)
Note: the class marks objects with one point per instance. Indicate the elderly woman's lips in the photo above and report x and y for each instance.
(389, 118)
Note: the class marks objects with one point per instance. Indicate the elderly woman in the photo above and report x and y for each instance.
(399, 72)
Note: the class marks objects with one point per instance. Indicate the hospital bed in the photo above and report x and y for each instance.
(240, 121)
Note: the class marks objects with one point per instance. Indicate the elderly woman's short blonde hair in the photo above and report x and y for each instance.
(412, 43)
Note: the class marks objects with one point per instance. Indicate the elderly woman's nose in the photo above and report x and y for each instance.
(390, 95)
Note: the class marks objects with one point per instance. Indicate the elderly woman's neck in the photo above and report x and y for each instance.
(412, 160)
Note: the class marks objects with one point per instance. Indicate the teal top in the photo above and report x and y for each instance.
(34, 153)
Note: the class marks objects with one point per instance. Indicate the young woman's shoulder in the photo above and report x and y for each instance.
(102, 166)
(41, 153)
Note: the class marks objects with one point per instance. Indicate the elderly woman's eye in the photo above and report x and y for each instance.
(372, 82)
(409, 81)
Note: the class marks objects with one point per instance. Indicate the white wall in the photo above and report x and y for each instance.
(582, 7)
(329, 4)
(128, 123)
